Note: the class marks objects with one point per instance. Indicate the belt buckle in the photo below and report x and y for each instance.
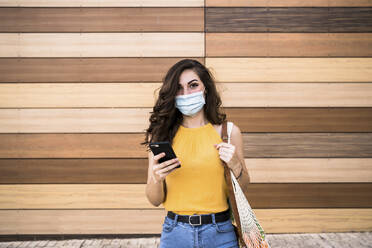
(197, 224)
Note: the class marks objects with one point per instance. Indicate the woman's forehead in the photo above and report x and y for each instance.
(188, 76)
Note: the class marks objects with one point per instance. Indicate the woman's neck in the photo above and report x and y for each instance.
(194, 121)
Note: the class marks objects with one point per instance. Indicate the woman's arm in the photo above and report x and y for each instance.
(154, 189)
(240, 170)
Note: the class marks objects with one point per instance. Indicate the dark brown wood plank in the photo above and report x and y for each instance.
(310, 195)
(85, 69)
(236, 20)
(73, 171)
(288, 20)
(288, 3)
(60, 19)
(301, 119)
(306, 20)
(122, 145)
(350, 20)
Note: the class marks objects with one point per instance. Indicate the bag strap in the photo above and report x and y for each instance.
(231, 195)
(224, 132)
(229, 129)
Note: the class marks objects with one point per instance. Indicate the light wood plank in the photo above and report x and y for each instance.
(134, 120)
(289, 44)
(314, 220)
(349, 3)
(81, 221)
(294, 94)
(103, 44)
(288, 3)
(302, 170)
(133, 196)
(97, 120)
(291, 69)
(307, 145)
(140, 95)
(69, 196)
(78, 94)
(101, 3)
(9, 45)
(104, 221)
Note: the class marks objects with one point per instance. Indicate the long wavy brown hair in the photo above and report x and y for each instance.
(166, 118)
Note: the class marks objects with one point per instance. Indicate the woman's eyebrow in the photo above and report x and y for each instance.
(189, 82)
(192, 81)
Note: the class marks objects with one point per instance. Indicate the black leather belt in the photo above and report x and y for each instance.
(200, 219)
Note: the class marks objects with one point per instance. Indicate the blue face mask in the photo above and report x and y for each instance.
(190, 104)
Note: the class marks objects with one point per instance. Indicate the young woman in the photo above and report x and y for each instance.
(187, 113)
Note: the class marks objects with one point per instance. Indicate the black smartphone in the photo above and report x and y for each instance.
(163, 146)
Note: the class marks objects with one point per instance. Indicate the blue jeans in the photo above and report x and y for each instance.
(183, 235)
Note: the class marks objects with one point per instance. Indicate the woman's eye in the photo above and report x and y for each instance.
(194, 85)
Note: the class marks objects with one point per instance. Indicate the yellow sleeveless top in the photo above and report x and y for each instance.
(199, 186)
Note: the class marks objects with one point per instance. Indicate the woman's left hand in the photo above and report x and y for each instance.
(228, 154)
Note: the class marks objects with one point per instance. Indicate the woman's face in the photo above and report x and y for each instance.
(189, 83)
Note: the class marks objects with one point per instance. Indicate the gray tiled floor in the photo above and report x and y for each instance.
(318, 240)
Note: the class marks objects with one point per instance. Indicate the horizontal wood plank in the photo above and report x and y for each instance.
(261, 170)
(133, 196)
(72, 146)
(100, 3)
(86, 69)
(101, 19)
(119, 145)
(301, 119)
(140, 95)
(135, 120)
(102, 221)
(350, 19)
(44, 171)
(288, 3)
(294, 94)
(288, 20)
(291, 70)
(289, 44)
(171, 44)
(75, 120)
(185, 3)
(304, 145)
(307, 170)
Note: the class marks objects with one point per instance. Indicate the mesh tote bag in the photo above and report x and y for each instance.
(247, 228)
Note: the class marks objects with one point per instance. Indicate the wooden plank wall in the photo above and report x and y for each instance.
(79, 78)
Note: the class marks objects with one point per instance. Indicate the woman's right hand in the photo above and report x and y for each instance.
(160, 171)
